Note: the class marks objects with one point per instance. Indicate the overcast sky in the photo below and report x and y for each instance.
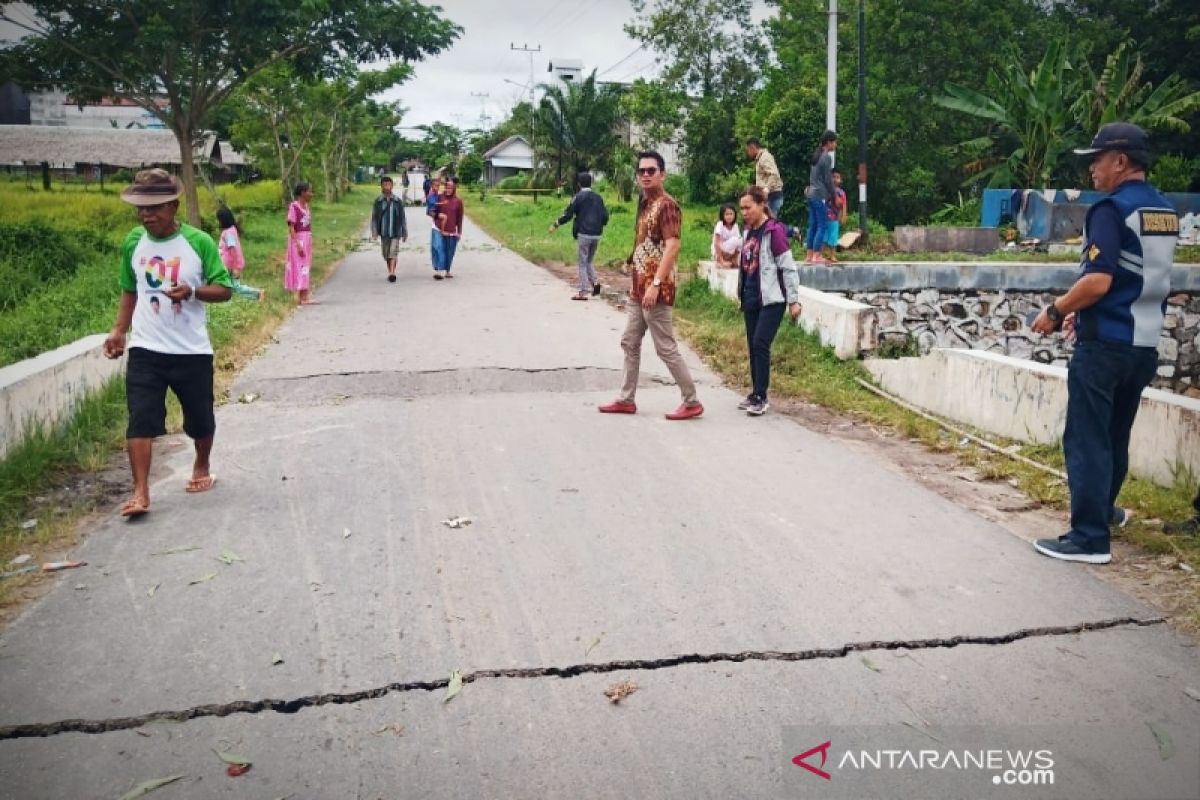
(481, 60)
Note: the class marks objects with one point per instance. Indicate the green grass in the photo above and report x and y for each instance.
(85, 302)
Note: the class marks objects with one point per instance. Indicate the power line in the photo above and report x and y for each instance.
(631, 54)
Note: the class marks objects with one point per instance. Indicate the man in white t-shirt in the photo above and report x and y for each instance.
(168, 272)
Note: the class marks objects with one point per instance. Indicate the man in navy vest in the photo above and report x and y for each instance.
(1115, 314)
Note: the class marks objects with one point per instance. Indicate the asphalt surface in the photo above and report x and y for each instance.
(601, 549)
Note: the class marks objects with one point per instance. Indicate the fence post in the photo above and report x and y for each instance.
(46, 176)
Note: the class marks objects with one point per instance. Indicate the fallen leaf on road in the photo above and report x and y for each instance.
(232, 758)
(276, 659)
(249, 397)
(228, 557)
(869, 664)
(620, 690)
(1166, 747)
(398, 730)
(187, 548)
(454, 687)
(146, 787)
(150, 592)
(457, 522)
(591, 645)
(1192, 693)
(207, 577)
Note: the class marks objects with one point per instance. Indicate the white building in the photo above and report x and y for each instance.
(56, 108)
(506, 159)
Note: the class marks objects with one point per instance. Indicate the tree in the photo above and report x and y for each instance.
(1121, 93)
(197, 53)
(581, 120)
(443, 144)
(1032, 115)
(710, 51)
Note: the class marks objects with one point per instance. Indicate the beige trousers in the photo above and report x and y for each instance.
(658, 321)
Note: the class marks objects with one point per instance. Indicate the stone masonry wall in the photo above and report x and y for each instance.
(995, 321)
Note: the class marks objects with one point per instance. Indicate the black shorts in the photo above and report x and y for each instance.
(148, 375)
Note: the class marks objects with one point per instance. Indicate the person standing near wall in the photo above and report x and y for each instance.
(819, 193)
(766, 175)
(1115, 313)
(767, 284)
(590, 215)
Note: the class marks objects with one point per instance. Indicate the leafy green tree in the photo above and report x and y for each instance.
(710, 51)
(470, 168)
(443, 145)
(197, 53)
(581, 122)
(1122, 92)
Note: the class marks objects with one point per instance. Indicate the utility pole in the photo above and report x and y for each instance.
(532, 116)
(831, 70)
(862, 119)
(483, 117)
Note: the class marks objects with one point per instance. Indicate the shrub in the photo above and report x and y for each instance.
(1174, 173)
(34, 255)
(677, 186)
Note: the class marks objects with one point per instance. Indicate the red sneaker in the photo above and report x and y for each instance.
(686, 412)
(618, 407)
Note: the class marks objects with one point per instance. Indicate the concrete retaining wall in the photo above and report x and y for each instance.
(46, 389)
(849, 327)
(1027, 401)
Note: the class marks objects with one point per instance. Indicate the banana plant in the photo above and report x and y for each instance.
(1119, 94)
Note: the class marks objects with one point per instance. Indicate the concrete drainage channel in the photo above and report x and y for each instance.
(42, 730)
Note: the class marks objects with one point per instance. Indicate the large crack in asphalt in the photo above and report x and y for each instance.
(41, 730)
(321, 387)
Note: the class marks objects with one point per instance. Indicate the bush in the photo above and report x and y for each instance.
(470, 168)
(729, 186)
(514, 182)
(677, 186)
(34, 255)
(1174, 173)
(965, 213)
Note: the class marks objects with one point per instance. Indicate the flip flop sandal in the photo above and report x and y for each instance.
(198, 485)
(134, 508)
(579, 296)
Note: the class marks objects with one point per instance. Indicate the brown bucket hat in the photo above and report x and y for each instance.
(151, 187)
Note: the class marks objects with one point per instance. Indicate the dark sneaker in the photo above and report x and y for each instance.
(1066, 550)
(392, 278)
(1121, 517)
(595, 290)
(437, 276)
(1187, 527)
(757, 408)
(748, 401)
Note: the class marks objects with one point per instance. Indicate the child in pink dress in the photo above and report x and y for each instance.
(230, 246)
(299, 252)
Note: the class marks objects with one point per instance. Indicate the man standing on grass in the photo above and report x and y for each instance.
(766, 175)
(1115, 314)
(448, 220)
(652, 293)
(162, 257)
(389, 225)
(590, 215)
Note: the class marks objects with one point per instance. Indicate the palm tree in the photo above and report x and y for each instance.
(580, 121)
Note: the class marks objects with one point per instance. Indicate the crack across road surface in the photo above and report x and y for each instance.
(41, 730)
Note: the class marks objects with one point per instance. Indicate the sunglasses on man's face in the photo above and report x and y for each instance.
(154, 209)
(647, 170)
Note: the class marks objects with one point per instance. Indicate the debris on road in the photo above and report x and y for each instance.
(457, 522)
(592, 644)
(24, 558)
(238, 764)
(1192, 693)
(185, 548)
(620, 690)
(146, 787)
(207, 577)
(150, 592)
(345, 533)
(29, 524)
(869, 664)
(395, 729)
(454, 687)
(249, 397)
(1166, 746)
(229, 557)
(22, 571)
(81, 587)
(276, 659)
(56, 566)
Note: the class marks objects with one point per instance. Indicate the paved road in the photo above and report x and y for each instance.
(390, 408)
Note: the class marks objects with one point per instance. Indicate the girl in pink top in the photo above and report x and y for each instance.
(299, 252)
(230, 246)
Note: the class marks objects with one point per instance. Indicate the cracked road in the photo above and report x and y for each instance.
(748, 574)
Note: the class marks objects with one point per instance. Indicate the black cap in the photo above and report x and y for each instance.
(1123, 136)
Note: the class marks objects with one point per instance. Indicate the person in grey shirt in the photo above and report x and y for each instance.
(819, 192)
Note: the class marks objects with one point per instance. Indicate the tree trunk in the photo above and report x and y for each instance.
(187, 170)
